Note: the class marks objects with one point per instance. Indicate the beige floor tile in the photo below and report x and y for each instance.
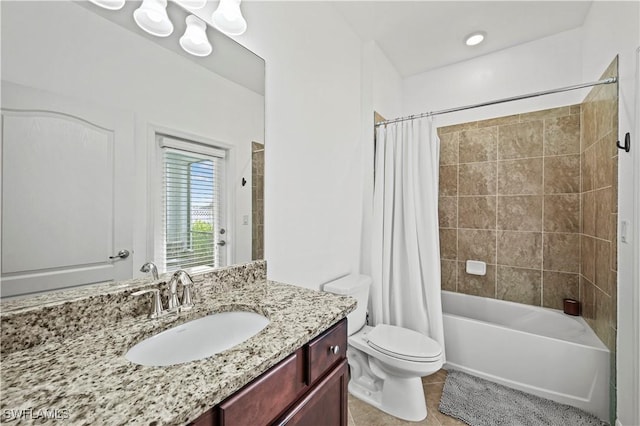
(438, 377)
(364, 414)
(350, 421)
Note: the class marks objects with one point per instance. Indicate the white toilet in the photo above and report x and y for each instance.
(386, 362)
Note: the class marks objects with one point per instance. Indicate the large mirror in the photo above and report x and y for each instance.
(120, 148)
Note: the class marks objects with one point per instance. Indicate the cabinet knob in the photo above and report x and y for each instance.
(334, 349)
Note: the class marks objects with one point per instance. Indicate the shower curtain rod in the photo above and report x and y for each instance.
(499, 101)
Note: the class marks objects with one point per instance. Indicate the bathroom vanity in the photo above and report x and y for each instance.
(65, 351)
(309, 387)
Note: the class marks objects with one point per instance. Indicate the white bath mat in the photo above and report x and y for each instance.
(479, 402)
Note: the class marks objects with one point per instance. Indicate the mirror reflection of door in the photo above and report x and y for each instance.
(70, 164)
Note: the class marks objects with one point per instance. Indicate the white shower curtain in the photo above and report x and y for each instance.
(405, 241)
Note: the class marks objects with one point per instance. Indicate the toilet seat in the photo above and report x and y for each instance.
(402, 343)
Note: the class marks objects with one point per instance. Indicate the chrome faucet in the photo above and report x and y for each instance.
(174, 302)
(150, 267)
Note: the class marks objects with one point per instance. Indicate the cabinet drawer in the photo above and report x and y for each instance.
(322, 348)
(268, 396)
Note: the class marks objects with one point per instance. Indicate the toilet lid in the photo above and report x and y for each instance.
(403, 343)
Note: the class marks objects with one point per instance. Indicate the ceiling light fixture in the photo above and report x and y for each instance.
(195, 40)
(152, 17)
(109, 4)
(228, 18)
(475, 38)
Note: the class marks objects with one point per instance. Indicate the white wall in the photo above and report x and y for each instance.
(313, 152)
(66, 49)
(613, 28)
(542, 64)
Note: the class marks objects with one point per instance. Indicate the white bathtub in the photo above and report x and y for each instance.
(537, 350)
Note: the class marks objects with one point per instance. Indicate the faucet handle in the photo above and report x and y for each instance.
(187, 303)
(156, 307)
(150, 267)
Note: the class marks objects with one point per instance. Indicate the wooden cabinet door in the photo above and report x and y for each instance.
(324, 405)
(267, 397)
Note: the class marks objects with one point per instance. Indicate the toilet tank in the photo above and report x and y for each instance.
(356, 286)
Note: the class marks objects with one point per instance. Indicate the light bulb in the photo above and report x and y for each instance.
(195, 40)
(228, 18)
(109, 4)
(152, 18)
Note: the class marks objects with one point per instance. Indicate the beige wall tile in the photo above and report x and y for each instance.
(499, 121)
(576, 109)
(588, 168)
(562, 213)
(558, 286)
(523, 249)
(613, 283)
(614, 184)
(520, 212)
(562, 252)
(477, 245)
(613, 230)
(520, 140)
(449, 149)
(477, 212)
(449, 270)
(546, 113)
(588, 125)
(603, 208)
(478, 285)
(448, 243)
(448, 181)
(589, 213)
(457, 127)
(478, 145)
(520, 177)
(604, 116)
(562, 135)
(448, 212)
(562, 174)
(519, 285)
(477, 179)
(602, 265)
(587, 298)
(602, 175)
(602, 307)
(588, 257)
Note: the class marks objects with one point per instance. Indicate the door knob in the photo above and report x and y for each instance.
(122, 254)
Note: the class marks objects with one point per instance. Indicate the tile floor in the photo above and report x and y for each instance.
(362, 414)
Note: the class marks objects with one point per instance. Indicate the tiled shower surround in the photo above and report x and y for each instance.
(535, 196)
(510, 196)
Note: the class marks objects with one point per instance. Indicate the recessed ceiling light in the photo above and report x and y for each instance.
(474, 38)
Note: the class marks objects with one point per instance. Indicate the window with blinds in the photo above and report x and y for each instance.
(192, 217)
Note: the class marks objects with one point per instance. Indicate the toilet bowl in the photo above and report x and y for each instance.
(386, 362)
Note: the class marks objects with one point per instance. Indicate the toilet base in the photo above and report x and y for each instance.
(400, 397)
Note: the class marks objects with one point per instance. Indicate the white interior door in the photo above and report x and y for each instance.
(67, 192)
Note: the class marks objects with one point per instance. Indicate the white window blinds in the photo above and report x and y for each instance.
(192, 217)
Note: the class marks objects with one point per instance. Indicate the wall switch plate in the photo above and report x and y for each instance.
(245, 219)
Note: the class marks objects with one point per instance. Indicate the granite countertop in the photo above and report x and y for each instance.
(86, 378)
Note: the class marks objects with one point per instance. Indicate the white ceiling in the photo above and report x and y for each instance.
(417, 36)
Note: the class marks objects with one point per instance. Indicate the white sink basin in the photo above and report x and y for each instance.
(197, 339)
